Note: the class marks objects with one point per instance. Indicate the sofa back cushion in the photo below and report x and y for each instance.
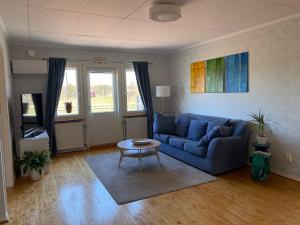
(214, 123)
(164, 124)
(182, 125)
(197, 130)
(217, 131)
(240, 128)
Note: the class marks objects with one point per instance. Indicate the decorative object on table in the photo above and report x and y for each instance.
(129, 149)
(262, 125)
(227, 74)
(68, 106)
(35, 162)
(128, 185)
(163, 92)
(141, 141)
(261, 162)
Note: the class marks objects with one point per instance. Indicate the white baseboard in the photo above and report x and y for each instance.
(285, 175)
(280, 173)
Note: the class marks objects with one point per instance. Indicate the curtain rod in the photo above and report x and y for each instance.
(99, 61)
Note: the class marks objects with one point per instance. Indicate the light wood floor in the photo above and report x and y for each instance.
(72, 194)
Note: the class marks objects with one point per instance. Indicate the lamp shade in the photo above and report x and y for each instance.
(162, 91)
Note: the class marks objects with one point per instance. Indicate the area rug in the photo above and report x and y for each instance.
(127, 184)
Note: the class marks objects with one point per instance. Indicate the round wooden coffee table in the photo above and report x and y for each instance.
(128, 149)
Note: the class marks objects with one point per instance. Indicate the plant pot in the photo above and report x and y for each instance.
(25, 107)
(68, 106)
(35, 175)
(261, 139)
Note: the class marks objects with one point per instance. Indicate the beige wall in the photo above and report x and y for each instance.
(274, 81)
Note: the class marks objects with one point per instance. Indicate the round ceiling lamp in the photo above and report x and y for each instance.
(165, 12)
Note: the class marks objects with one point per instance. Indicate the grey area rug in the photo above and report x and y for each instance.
(127, 184)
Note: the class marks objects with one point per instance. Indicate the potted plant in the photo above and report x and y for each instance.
(262, 124)
(68, 106)
(35, 162)
(46, 167)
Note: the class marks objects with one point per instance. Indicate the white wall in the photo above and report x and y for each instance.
(274, 81)
(6, 160)
(158, 70)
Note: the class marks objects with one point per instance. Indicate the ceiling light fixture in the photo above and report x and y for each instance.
(165, 12)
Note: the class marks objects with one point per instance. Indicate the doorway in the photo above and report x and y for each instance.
(102, 108)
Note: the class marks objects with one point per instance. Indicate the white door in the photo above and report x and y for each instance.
(102, 112)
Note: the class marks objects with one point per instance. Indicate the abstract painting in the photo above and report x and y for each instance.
(227, 74)
(198, 77)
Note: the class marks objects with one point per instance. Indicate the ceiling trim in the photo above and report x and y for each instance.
(94, 49)
(237, 33)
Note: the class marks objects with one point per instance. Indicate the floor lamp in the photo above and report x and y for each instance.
(163, 92)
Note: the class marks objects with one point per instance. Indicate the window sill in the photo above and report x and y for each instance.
(62, 119)
(135, 114)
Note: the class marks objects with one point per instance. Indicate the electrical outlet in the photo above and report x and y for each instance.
(288, 157)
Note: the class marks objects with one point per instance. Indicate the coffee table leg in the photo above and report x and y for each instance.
(121, 157)
(140, 159)
(157, 155)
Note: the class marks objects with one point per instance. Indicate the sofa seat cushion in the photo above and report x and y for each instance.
(197, 130)
(163, 137)
(192, 147)
(177, 142)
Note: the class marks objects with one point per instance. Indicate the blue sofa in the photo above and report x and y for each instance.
(222, 153)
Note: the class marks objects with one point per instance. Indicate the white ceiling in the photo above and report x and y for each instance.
(124, 24)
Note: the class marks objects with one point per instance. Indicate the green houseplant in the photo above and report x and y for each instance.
(262, 124)
(35, 162)
(68, 106)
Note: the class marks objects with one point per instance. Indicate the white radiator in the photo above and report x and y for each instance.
(70, 136)
(136, 127)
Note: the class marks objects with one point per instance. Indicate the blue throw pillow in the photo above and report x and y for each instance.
(164, 124)
(182, 125)
(197, 130)
(217, 131)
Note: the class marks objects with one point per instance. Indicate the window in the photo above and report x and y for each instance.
(101, 92)
(134, 101)
(68, 104)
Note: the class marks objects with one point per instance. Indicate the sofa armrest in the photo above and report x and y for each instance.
(232, 147)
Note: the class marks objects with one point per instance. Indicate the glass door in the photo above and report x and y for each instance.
(102, 110)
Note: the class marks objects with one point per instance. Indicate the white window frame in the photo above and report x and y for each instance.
(129, 113)
(115, 87)
(80, 115)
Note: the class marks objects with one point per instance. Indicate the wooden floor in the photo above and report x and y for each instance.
(72, 194)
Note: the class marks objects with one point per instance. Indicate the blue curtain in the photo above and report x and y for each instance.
(142, 77)
(56, 73)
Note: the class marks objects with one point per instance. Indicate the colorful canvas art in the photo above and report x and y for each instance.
(198, 77)
(227, 74)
